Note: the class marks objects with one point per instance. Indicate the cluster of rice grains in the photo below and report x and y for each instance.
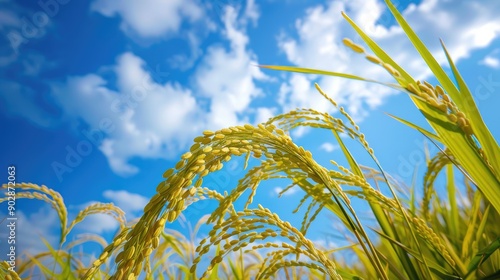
(434, 167)
(236, 230)
(433, 96)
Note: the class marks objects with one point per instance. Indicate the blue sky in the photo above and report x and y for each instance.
(98, 98)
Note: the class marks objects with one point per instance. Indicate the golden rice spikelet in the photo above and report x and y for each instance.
(168, 173)
(207, 149)
(353, 46)
(391, 70)
(155, 242)
(186, 155)
(374, 59)
(208, 133)
(348, 42)
(178, 165)
(96, 263)
(411, 88)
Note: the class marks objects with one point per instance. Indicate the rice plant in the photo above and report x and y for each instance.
(63, 262)
(431, 238)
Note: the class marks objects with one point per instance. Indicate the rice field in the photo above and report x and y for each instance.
(450, 233)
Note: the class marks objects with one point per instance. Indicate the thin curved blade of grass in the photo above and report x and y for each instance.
(488, 143)
(47, 272)
(350, 159)
(454, 210)
(467, 243)
(64, 263)
(346, 275)
(377, 209)
(383, 220)
(381, 216)
(234, 270)
(481, 229)
(434, 66)
(434, 267)
(379, 52)
(173, 244)
(483, 255)
(327, 73)
(416, 127)
(413, 192)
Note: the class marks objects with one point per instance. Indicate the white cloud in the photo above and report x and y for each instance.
(141, 119)
(186, 61)
(252, 11)
(263, 114)
(328, 147)
(492, 59)
(129, 202)
(228, 77)
(147, 21)
(464, 26)
(318, 44)
(150, 18)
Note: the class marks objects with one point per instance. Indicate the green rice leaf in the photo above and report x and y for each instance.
(327, 73)
(416, 127)
(454, 215)
(468, 106)
(483, 255)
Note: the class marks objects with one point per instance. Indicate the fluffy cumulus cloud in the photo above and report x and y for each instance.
(146, 21)
(150, 18)
(228, 76)
(139, 113)
(492, 59)
(138, 117)
(318, 44)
